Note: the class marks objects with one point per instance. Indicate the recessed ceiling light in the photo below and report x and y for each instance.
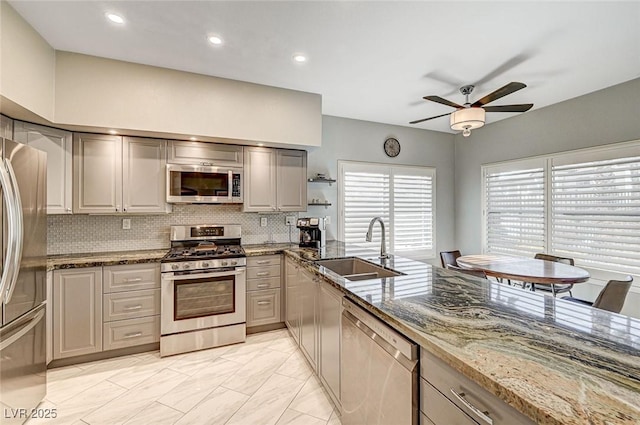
(113, 132)
(260, 144)
(300, 58)
(214, 39)
(115, 18)
(193, 139)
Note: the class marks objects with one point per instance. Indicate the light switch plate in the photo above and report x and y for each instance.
(126, 224)
(263, 221)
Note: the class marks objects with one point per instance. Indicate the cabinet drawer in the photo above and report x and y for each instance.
(129, 305)
(447, 380)
(131, 277)
(130, 332)
(263, 307)
(263, 272)
(439, 409)
(263, 260)
(265, 283)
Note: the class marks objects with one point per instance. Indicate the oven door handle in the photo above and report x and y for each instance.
(202, 275)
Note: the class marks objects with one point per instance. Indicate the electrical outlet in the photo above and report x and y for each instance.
(263, 221)
(126, 224)
(290, 220)
(327, 220)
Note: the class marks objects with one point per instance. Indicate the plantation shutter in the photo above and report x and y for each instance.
(515, 209)
(595, 209)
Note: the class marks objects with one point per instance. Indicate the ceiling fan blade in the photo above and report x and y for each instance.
(430, 118)
(501, 92)
(509, 108)
(438, 99)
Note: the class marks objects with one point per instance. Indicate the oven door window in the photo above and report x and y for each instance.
(192, 183)
(204, 297)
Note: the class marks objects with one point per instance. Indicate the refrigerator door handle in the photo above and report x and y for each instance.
(7, 192)
(25, 329)
(19, 227)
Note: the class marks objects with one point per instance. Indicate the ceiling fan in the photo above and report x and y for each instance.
(471, 115)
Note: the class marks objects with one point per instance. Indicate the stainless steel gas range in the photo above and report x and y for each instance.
(203, 289)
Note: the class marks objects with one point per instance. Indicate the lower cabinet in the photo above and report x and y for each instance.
(77, 312)
(105, 308)
(263, 290)
(313, 314)
(449, 398)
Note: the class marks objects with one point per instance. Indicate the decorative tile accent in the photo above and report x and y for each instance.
(67, 234)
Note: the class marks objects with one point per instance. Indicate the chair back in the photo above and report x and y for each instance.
(612, 297)
(472, 272)
(449, 257)
(555, 258)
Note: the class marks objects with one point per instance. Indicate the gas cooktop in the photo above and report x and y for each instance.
(203, 251)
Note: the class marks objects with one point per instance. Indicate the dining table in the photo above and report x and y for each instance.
(529, 270)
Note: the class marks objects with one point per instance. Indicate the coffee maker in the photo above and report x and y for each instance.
(312, 232)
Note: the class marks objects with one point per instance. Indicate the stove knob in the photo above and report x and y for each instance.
(224, 262)
(234, 262)
(205, 264)
(175, 267)
(186, 266)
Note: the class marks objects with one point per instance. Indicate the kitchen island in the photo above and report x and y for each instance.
(554, 361)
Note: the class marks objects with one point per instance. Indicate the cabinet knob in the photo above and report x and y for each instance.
(68, 209)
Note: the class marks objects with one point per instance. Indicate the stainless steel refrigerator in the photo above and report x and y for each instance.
(23, 281)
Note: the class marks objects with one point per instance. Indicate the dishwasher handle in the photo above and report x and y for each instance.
(409, 364)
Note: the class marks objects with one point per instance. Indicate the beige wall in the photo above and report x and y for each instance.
(99, 92)
(27, 65)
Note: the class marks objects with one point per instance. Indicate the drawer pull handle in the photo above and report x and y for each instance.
(263, 262)
(484, 416)
(132, 335)
(133, 279)
(263, 285)
(264, 302)
(132, 308)
(262, 274)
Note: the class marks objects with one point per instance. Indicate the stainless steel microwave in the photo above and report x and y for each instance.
(203, 184)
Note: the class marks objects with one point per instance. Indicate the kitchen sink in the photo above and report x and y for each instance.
(353, 268)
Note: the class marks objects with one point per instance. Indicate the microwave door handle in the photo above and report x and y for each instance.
(230, 187)
(19, 219)
(7, 194)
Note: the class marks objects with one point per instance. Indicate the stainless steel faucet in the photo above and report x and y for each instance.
(383, 243)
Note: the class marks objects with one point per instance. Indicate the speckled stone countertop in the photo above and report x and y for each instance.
(98, 259)
(555, 361)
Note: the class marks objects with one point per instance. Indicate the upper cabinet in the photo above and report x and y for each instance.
(202, 153)
(6, 127)
(118, 175)
(275, 180)
(57, 144)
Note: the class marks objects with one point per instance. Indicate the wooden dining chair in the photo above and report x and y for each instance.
(612, 296)
(472, 272)
(556, 288)
(449, 257)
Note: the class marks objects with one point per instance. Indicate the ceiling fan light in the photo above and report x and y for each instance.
(467, 119)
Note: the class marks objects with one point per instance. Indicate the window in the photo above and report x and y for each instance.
(402, 196)
(583, 204)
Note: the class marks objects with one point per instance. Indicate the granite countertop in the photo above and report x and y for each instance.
(555, 361)
(98, 259)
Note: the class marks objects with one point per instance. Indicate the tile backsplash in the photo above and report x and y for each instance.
(68, 234)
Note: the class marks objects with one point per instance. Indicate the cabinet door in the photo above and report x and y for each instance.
(97, 174)
(291, 166)
(263, 307)
(292, 299)
(308, 327)
(201, 153)
(259, 180)
(6, 127)
(57, 144)
(77, 312)
(330, 312)
(144, 175)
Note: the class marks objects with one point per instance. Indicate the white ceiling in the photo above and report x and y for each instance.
(370, 60)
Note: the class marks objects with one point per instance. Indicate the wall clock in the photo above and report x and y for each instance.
(392, 147)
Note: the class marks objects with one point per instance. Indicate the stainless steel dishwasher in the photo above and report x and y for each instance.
(379, 372)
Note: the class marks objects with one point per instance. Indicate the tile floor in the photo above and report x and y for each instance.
(263, 382)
